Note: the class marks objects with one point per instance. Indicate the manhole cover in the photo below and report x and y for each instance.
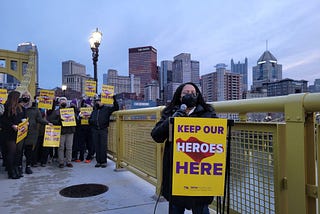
(83, 190)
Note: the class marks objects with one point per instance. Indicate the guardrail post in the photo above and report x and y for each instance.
(119, 137)
(295, 159)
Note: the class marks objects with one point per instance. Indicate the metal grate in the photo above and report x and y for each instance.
(252, 172)
(139, 150)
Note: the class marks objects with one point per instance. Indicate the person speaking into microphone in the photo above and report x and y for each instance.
(187, 101)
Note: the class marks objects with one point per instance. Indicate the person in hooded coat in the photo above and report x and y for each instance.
(190, 95)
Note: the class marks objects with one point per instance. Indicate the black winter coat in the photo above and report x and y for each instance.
(100, 117)
(160, 134)
(9, 121)
(55, 119)
(35, 120)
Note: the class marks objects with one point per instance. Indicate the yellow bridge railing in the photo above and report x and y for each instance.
(274, 166)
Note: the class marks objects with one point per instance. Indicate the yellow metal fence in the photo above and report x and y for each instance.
(273, 164)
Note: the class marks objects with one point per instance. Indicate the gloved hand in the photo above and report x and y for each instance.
(179, 113)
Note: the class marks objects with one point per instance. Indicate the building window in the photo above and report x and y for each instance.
(13, 65)
(24, 68)
(2, 63)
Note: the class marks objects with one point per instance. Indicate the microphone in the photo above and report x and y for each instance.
(181, 112)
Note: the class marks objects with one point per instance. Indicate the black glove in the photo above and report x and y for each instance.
(179, 113)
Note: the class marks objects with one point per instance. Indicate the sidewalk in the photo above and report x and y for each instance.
(39, 192)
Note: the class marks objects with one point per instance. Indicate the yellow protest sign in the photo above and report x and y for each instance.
(52, 136)
(90, 88)
(199, 156)
(46, 98)
(67, 117)
(3, 95)
(107, 94)
(22, 130)
(85, 114)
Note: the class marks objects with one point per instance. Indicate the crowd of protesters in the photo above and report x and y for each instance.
(79, 143)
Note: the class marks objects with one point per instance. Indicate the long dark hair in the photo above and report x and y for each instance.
(12, 104)
(176, 101)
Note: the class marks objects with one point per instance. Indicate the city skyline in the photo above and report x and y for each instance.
(212, 32)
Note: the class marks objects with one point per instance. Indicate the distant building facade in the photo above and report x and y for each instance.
(169, 90)
(74, 76)
(151, 91)
(173, 73)
(185, 70)
(241, 68)
(143, 64)
(315, 87)
(221, 85)
(122, 84)
(285, 87)
(267, 70)
(165, 76)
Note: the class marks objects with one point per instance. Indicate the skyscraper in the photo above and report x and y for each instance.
(122, 84)
(25, 47)
(241, 68)
(143, 64)
(184, 69)
(221, 85)
(266, 70)
(74, 75)
(165, 76)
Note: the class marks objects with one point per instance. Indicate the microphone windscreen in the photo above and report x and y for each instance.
(183, 107)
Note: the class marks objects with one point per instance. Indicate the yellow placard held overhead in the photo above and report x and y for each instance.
(67, 116)
(199, 156)
(107, 94)
(52, 136)
(85, 114)
(90, 88)
(22, 130)
(46, 98)
(3, 95)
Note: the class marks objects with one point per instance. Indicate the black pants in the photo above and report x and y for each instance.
(14, 154)
(28, 154)
(100, 140)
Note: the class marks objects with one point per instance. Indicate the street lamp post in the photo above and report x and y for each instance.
(95, 40)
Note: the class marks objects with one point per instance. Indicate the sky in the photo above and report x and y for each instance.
(212, 31)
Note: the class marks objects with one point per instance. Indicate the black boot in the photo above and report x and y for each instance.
(28, 170)
(19, 171)
(12, 174)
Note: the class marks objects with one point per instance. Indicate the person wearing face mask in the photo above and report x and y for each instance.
(31, 141)
(99, 122)
(66, 138)
(187, 101)
(13, 114)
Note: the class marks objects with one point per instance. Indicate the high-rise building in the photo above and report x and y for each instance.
(74, 76)
(151, 91)
(165, 76)
(122, 84)
(286, 86)
(169, 90)
(315, 87)
(267, 70)
(221, 85)
(26, 47)
(241, 68)
(143, 64)
(185, 70)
